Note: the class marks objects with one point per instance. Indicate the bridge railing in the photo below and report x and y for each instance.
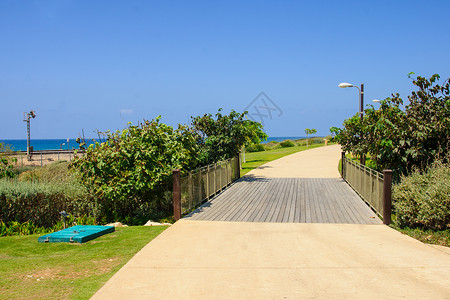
(373, 187)
(201, 184)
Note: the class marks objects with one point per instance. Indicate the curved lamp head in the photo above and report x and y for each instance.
(345, 84)
(376, 100)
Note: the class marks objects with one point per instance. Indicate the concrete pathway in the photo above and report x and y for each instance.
(314, 163)
(243, 260)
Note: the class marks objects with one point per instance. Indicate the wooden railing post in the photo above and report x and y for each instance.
(342, 164)
(176, 194)
(387, 196)
(214, 179)
(238, 167)
(207, 183)
(190, 192)
(362, 159)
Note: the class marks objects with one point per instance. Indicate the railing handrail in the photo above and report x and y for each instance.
(365, 168)
(358, 178)
(201, 184)
(194, 171)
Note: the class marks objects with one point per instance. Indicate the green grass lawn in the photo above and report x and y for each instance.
(256, 159)
(32, 270)
(441, 237)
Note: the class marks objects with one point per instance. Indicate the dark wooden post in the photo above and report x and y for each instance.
(342, 163)
(190, 192)
(238, 167)
(207, 183)
(176, 194)
(362, 160)
(387, 196)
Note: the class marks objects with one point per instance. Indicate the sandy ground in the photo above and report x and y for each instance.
(42, 159)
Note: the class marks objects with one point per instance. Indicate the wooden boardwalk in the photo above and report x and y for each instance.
(287, 200)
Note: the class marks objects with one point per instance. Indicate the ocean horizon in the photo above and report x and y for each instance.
(40, 144)
(56, 144)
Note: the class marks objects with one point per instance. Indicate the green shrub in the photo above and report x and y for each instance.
(255, 148)
(403, 136)
(131, 172)
(41, 202)
(301, 142)
(316, 140)
(27, 228)
(271, 145)
(19, 170)
(223, 136)
(423, 199)
(6, 162)
(55, 172)
(287, 143)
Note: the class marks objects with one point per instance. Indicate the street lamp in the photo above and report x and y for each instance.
(376, 100)
(344, 85)
(361, 95)
(26, 118)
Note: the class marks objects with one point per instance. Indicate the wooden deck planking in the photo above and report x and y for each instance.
(264, 201)
(358, 210)
(230, 192)
(229, 203)
(301, 208)
(269, 204)
(346, 211)
(287, 200)
(336, 205)
(261, 201)
(251, 194)
(278, 201)
(281, 207)
(290, 215)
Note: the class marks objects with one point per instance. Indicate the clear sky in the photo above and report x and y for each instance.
(99, 64)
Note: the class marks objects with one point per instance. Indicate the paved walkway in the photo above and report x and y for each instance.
(260, 260)
(314, 163)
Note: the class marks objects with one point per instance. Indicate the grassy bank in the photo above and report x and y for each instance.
(439, 237)
(32, 270)
(256, 159)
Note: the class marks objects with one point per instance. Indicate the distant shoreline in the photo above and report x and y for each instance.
(40, 144)
(56, 144)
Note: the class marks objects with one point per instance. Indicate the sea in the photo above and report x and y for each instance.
(55, 144)
(41, 144)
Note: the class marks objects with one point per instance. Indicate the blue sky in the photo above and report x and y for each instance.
(99, 64)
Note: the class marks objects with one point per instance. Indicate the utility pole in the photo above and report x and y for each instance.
(29, 115)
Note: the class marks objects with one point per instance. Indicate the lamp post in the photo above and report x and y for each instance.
(361, 107)
(361, 95)
(26, 118)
